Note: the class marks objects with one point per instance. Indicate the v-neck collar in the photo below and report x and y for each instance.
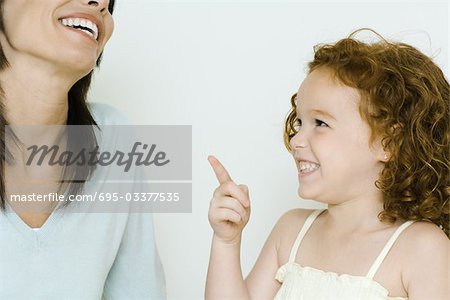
(28, 232)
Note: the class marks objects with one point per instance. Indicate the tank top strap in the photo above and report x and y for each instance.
(309, 220)
(376, 264)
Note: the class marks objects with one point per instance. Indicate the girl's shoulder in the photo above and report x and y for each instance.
(424, 249)
(292, 221)
(421, 231)
(295, 216)
(422, 239)
(287, 230)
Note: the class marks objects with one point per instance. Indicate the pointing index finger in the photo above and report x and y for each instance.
(220, 171)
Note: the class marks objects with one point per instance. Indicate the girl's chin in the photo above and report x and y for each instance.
(302, 193)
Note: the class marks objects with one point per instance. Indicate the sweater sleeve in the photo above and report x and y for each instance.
(137, 272)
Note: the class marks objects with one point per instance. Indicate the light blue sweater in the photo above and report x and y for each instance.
(81, 255)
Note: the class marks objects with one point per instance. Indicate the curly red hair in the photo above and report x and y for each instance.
(404, 97)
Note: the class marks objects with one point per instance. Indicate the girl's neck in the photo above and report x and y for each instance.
(354, 216)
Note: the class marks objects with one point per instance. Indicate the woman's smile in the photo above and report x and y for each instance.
(82, 32)
(82, 25)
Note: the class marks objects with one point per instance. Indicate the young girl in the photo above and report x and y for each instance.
(369, 134)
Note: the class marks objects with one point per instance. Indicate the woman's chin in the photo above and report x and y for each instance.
(80, 70)
(79, 62)
(83, 67)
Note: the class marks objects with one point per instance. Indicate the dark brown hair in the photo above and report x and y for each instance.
(78, 114)
(404, 97)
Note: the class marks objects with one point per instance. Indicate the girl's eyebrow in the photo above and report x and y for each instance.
(322, 113)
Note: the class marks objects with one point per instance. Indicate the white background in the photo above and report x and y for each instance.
(228, 68)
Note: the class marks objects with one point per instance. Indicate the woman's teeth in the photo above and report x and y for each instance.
(83, 25)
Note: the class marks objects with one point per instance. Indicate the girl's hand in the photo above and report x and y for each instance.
(229, 210)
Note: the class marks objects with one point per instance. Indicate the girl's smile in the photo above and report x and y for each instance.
(331, 138)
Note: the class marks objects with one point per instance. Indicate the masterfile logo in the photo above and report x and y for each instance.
(102, 167)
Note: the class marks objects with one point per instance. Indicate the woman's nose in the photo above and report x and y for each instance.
(101, 4)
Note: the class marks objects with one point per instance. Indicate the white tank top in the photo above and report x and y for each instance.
(306, 283)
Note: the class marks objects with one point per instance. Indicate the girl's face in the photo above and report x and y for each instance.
(332, 134)
(34, 27)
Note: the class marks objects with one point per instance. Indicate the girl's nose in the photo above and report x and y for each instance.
(298, 141)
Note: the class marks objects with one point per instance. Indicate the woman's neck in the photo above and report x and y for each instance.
(35, 93)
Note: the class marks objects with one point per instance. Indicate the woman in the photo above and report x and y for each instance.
(48, 50)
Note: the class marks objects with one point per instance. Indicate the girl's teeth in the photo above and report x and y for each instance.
(308, 167)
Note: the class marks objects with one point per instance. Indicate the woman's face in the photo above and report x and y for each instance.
(334, 136)
(35, 28)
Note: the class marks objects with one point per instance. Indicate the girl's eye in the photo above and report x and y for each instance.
(319, 123)
(297, 124)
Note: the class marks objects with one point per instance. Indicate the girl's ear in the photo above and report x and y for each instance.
(380, 152)
(395, 130)
(382, 156)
